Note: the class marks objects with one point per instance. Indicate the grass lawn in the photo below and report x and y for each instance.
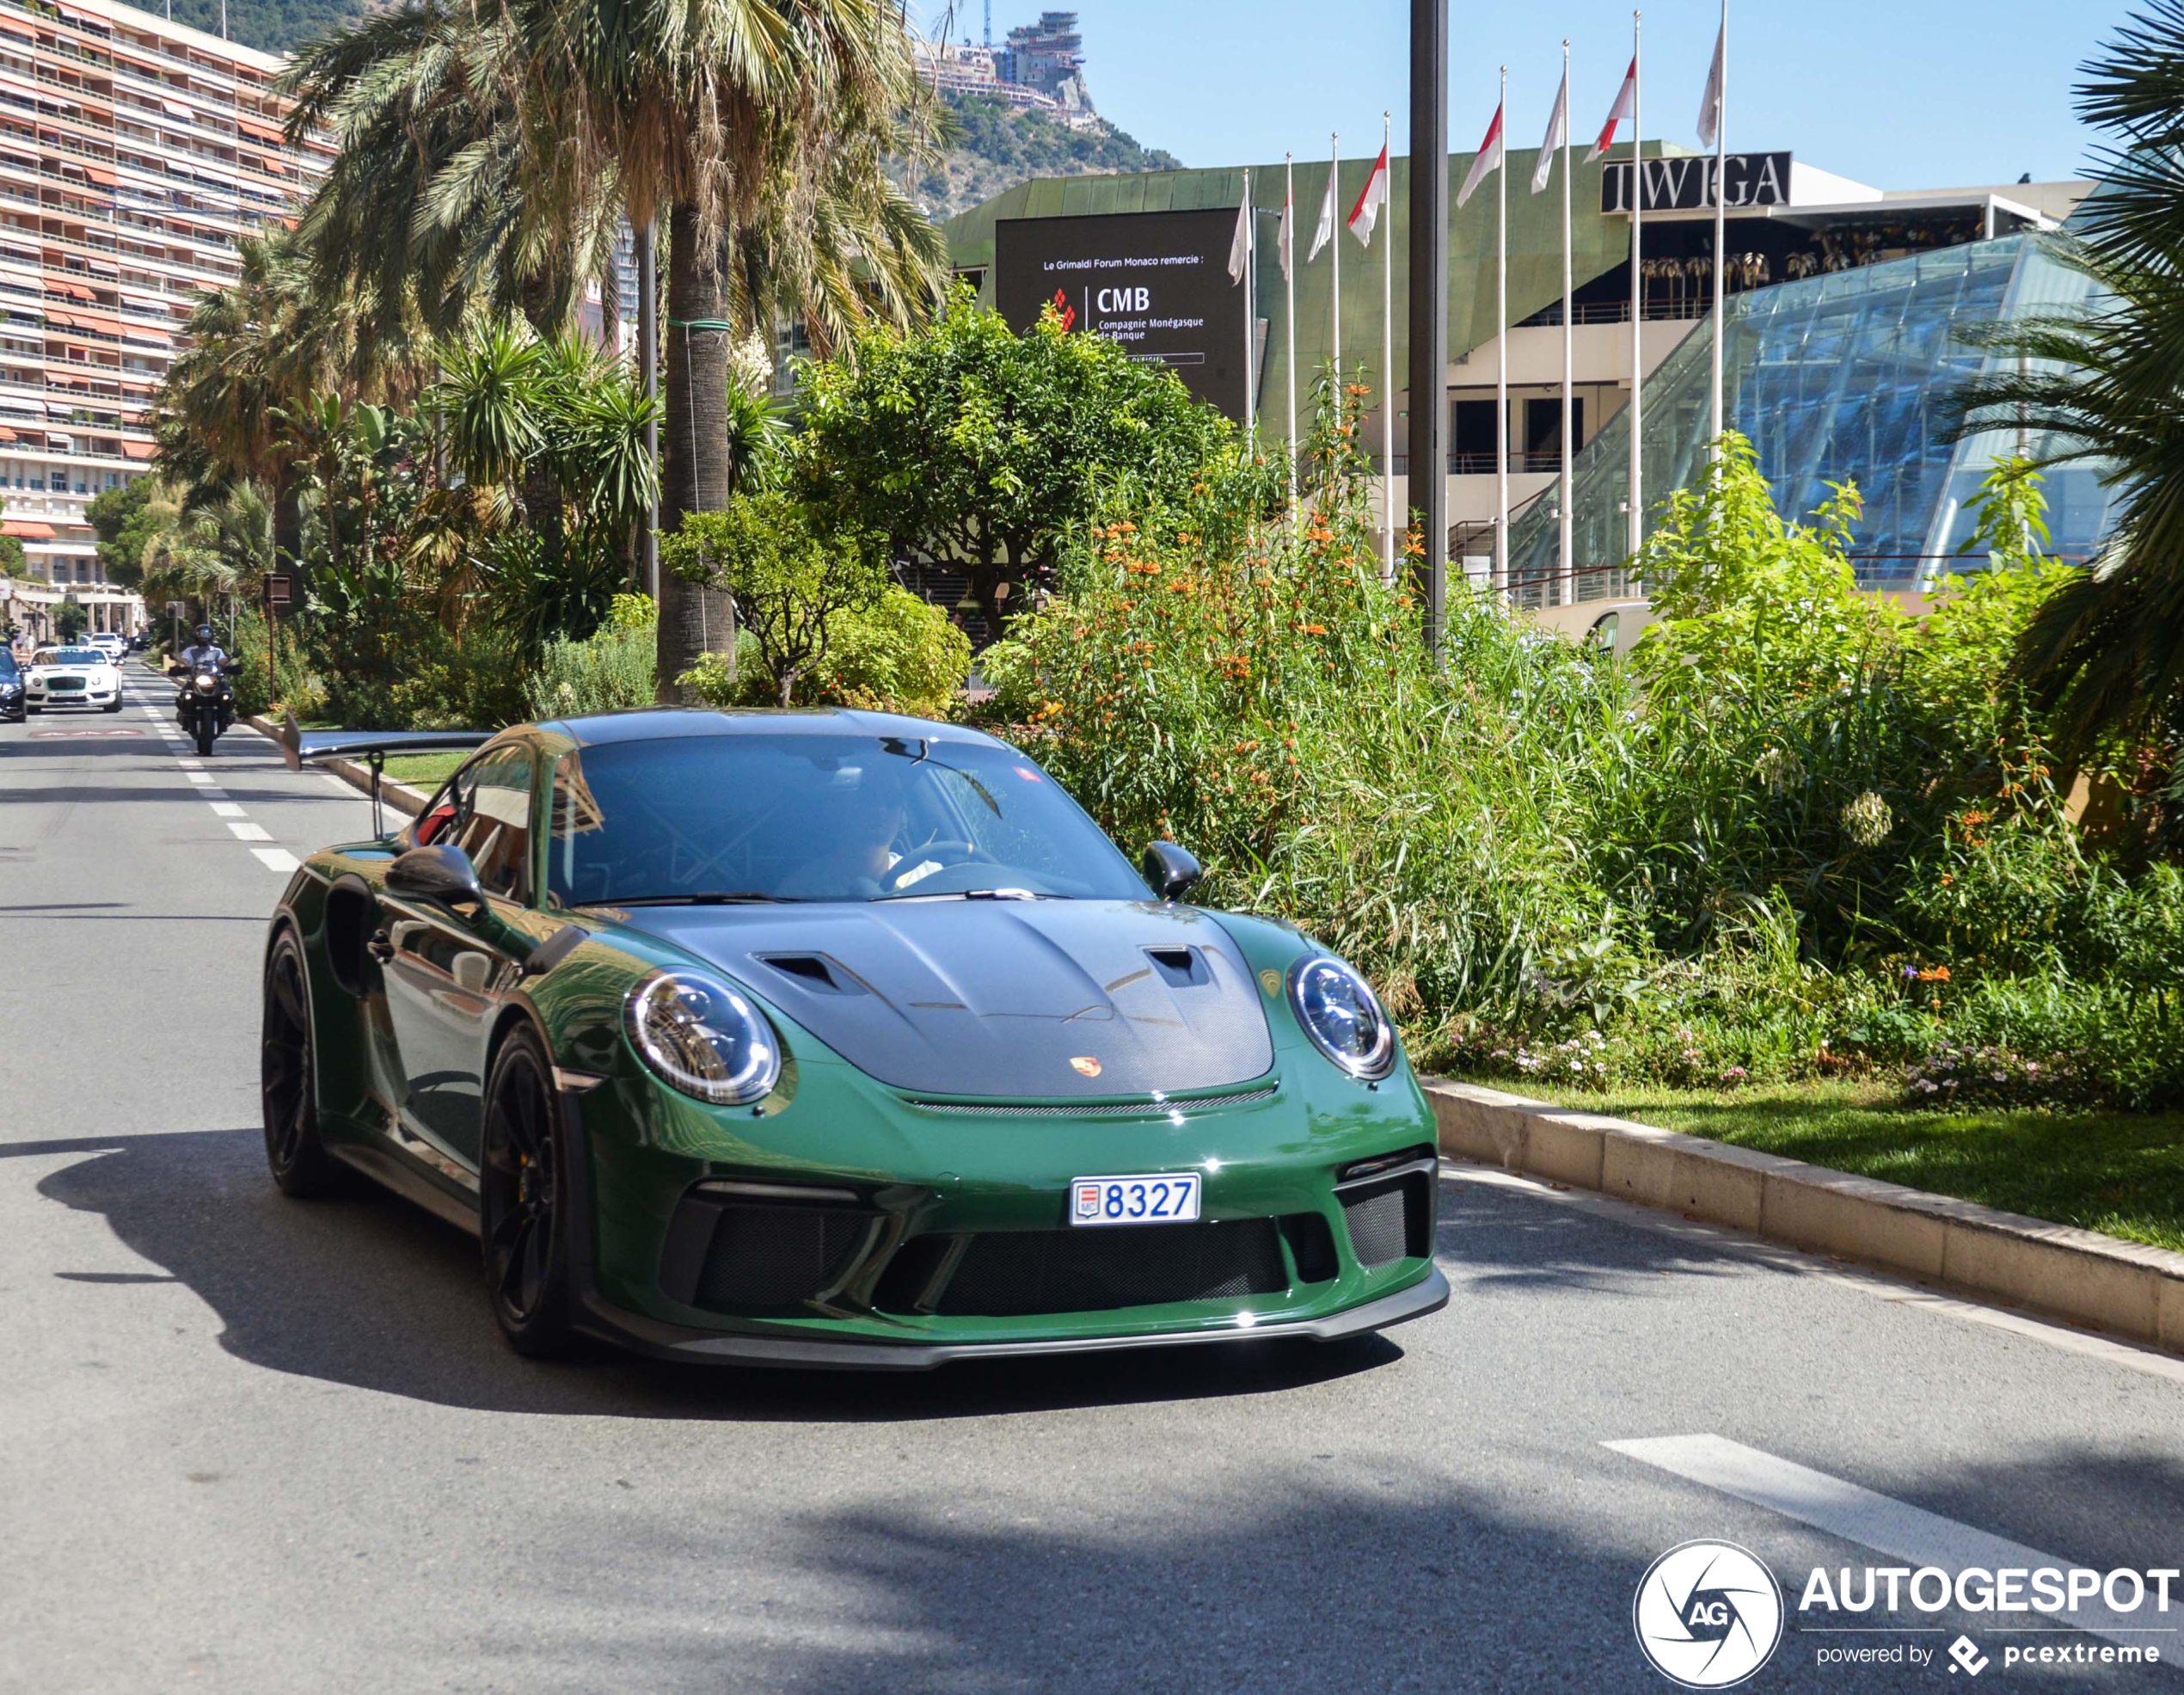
(425, 771)
(2119, 1173)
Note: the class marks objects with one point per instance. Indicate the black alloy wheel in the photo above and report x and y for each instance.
(523, 1192)
(300, 1163)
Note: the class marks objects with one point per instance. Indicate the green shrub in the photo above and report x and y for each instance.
(901, 656)
(612, 670)
(1801, 834)
(295, 687)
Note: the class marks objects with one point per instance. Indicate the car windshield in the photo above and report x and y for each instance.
(69, 656)
(7, 663)
(766, 817)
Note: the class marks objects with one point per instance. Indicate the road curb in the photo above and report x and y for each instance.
(400, 795)
(2125, 1288)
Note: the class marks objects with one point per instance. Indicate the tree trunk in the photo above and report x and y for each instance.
(539, 490)
(288, 523)
(696, 470)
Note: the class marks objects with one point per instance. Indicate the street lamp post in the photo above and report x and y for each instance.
(1429, 299)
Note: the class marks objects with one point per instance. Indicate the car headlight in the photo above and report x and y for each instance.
(1343, 1017)
(703, 1039)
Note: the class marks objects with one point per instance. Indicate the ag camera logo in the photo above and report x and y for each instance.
(1708, 1614)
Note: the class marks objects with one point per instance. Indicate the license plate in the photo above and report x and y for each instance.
(1168, 1198)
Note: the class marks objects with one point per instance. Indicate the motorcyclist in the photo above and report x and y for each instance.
(204, 654)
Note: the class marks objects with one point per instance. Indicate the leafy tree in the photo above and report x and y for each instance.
(12, 562)
(2105, 656)
(790, 576)
(120, 518)
(972, 445)
(260, 347)
(756, 131)
(69, 619)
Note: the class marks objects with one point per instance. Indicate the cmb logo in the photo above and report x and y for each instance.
(1708, 1614)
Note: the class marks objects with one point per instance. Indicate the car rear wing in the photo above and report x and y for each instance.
(300, 746)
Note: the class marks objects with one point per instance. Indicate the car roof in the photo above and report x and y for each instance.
(665, 723)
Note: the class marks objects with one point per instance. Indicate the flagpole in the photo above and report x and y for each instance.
(1335, 174)
(1721, 223)
(1501, 353)
(1289, 306)
(1250, 315)
(1637, 532)
(1388, 360)
(1565, 584)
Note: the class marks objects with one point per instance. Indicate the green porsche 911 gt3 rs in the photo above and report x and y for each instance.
(834, 1038)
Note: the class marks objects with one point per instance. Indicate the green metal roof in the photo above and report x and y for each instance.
(1597, 245)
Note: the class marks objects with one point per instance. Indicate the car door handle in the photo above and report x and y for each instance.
(380, 946)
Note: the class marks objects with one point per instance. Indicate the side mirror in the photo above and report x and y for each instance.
(1170, 869)
(437, 873)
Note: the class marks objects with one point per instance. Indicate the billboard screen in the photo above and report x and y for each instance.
(1157, 282)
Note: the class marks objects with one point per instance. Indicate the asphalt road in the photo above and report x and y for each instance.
(248, 1444)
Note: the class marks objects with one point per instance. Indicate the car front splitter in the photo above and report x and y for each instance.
(1427, 1296)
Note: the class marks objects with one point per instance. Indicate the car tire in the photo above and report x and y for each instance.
(288, 1078)
(524, 1224)
(114, 705)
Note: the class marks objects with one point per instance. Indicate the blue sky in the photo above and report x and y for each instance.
(1899, 94)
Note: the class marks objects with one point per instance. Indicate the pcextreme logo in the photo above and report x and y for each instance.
(1708, 1614)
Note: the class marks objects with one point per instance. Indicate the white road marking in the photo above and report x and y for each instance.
(275, 859)
(1877, 1521)
(226, 809)
(199, 777)
(250, 832)
(215, 793)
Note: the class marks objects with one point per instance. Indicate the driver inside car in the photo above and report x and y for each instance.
(854, 829)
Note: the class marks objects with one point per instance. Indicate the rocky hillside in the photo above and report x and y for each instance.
(997, 146)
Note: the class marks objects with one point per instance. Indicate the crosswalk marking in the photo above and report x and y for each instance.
(275, 859)
(1877, 1521)
(249, 833)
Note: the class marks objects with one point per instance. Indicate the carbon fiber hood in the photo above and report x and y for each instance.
(1014, 999)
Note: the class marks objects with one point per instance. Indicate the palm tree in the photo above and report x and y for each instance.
(755, 129)
(255, 346)
(2105, 654)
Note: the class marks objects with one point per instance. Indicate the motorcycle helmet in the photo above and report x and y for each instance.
(204, 633)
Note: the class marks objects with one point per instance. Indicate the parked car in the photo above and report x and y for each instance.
(11, 706)
(71, 676)
(834, 1038)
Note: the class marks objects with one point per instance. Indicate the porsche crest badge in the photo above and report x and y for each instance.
(1085, 1065)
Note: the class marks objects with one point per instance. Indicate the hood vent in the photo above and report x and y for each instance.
(815, 971)
(1179, 968)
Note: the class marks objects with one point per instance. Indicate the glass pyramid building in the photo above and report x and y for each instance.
(1841, 377)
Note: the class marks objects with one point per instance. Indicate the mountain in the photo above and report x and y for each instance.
(271, 25)
(996, 146)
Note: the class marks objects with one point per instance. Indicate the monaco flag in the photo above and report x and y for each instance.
(1626, 103)
(1370, 198)
(1488, 160)
(1558, 134)
(1710, 101)
(1325, 233)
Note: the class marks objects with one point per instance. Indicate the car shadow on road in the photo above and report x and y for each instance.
(1504, 1241)
(366, 1290)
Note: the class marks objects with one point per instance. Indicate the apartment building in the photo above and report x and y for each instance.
(134, 154)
